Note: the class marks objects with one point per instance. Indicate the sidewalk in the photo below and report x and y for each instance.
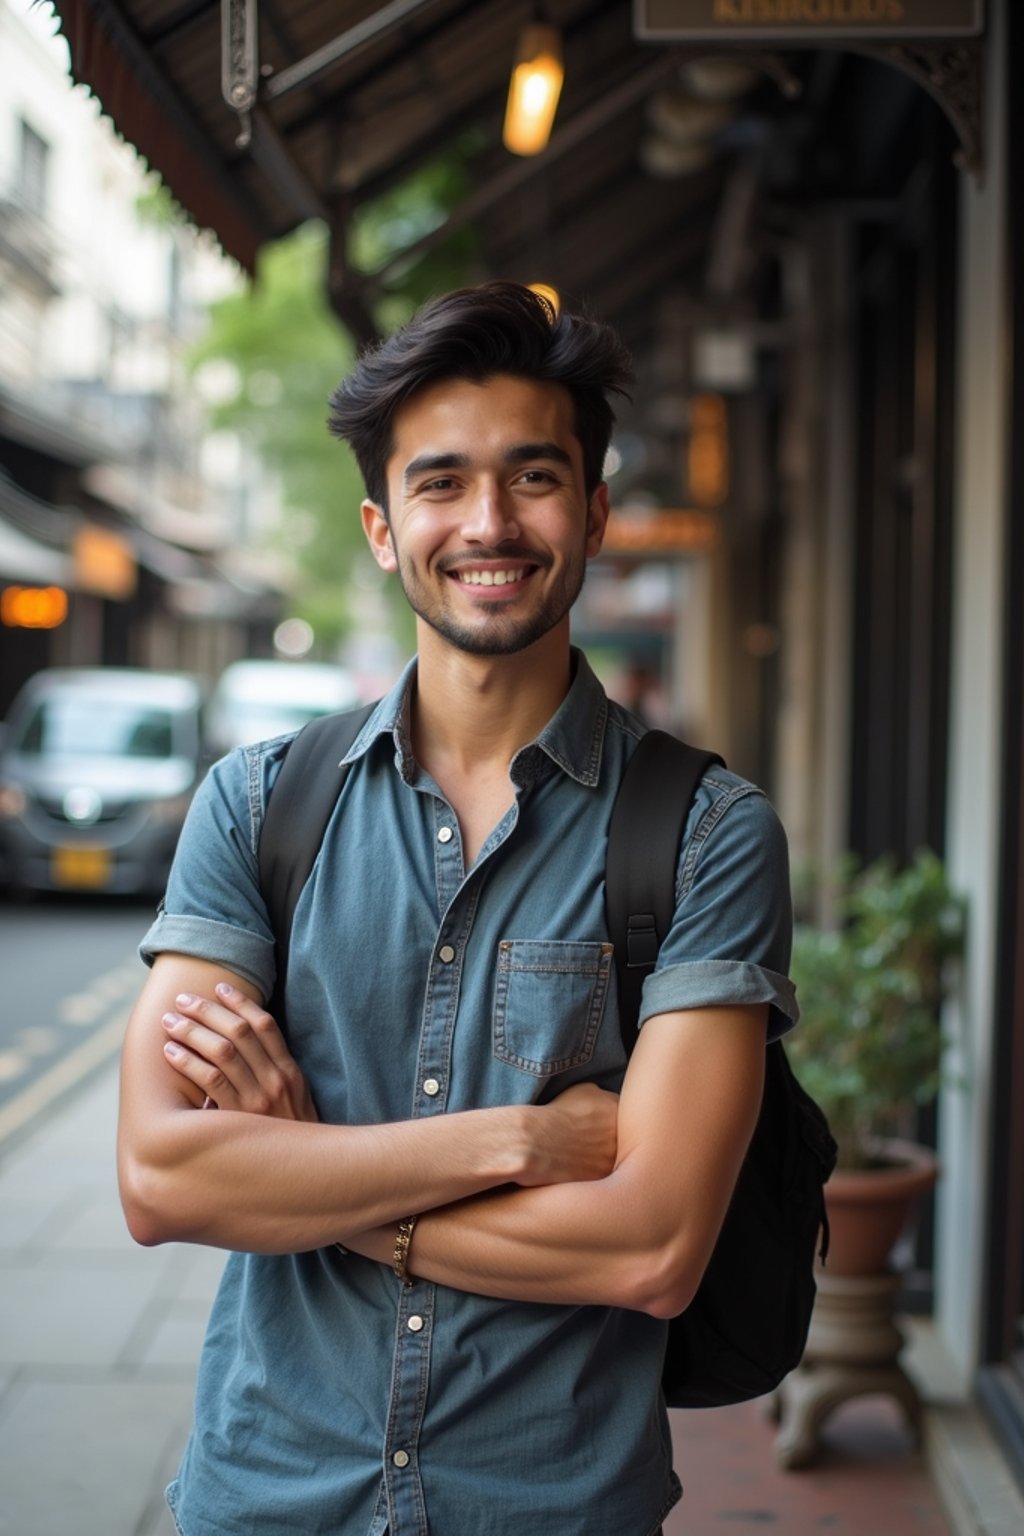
(99, 1338)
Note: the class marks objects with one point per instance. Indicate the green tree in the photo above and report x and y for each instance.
(285, 351)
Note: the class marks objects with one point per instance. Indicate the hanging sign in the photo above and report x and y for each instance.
(660, 534)
(804, 21)
(104, 563)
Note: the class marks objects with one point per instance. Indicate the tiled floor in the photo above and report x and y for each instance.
(869, 1481)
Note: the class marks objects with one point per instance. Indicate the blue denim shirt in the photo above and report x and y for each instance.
(330, 1399)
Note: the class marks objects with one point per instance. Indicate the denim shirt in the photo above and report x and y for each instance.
(331, 1399)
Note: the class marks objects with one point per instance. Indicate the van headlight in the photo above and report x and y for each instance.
(13, 801)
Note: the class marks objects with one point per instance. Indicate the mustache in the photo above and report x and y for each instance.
(512, 553)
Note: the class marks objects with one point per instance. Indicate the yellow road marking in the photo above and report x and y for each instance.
(63, 1075)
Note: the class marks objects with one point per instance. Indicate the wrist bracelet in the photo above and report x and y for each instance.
(400, 1257)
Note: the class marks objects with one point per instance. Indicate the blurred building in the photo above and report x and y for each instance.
(123, 526)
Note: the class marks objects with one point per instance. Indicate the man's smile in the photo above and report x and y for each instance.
(491, 576)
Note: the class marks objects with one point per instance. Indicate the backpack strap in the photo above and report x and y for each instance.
(305, 793)
(646, 829)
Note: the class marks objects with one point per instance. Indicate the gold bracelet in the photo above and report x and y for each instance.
(400, 1257)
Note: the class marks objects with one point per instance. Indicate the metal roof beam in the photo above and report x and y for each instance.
(186, 16)
(573, 34)
(615, 287)
(342, 47)
(609, 106)
(271, 154)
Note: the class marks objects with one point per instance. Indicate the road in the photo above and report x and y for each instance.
(69, 973)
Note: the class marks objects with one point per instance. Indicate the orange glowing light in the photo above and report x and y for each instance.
(33, 607)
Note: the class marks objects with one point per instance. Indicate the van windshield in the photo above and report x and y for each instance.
(93, 726)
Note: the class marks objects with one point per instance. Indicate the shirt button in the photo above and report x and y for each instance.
(415, 1323)
(401, 1458)
(446, 953)
(445, 835)
(431, 1086)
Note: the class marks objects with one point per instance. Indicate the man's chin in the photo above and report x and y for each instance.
(500, 631)
(495, 640)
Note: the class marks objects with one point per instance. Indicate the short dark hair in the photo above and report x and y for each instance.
(475, 333)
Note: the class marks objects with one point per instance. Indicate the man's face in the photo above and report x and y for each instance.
(490, 526)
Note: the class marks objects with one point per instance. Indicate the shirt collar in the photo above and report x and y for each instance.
(573, 738)
(390, 718)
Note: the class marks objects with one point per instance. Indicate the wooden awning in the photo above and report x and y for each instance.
(346, 102)
(261, 114)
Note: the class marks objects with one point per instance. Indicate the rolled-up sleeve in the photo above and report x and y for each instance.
(213, 908)
(732, 931)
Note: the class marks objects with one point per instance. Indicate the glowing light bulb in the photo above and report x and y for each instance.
(534, 89)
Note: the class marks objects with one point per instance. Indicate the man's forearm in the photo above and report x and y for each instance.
(261, 1185)
(641, 1236)
(599, 1243)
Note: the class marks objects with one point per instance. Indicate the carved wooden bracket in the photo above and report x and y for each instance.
(950, 71)
(952, 74)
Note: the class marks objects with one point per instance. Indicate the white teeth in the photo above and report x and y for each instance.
(488, 578)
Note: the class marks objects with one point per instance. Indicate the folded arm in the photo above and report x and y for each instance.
(276, 1181)
(640, 1236)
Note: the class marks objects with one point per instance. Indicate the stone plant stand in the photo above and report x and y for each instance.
(853, 1349)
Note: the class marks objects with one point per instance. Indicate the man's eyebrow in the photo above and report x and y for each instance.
(520, 453)
(524, 453)
(426, 463)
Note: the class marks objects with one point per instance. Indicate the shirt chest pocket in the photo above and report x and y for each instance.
(549, 998)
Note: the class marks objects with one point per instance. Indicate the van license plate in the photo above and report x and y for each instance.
(81, 868)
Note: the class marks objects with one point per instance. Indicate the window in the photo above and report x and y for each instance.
(33, 168)
(90, 725)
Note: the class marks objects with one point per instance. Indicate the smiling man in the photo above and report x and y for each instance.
(512, 496)
(457, 1222)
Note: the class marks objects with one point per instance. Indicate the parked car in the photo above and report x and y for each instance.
(97, 768)
(256, 700)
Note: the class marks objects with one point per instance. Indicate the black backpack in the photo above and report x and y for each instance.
(747, 1325)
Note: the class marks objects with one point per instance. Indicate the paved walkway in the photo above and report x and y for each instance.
(99, 1338)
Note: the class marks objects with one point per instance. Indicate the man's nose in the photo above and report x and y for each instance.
(490, 516)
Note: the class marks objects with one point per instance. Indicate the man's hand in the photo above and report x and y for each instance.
(574, 1138)
(233, 1051)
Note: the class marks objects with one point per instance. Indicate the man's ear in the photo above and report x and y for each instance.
(378, 535)
(597, 520)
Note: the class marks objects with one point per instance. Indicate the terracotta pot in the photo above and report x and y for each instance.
(868, 1208)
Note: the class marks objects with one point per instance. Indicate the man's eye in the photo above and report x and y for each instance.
(536, 477)
(443, 483)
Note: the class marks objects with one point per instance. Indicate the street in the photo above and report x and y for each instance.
(99, 1338)
(70, 973)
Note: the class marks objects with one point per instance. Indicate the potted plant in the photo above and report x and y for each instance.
(869, 1047)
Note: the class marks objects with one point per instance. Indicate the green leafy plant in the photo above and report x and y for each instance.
(869, 1046)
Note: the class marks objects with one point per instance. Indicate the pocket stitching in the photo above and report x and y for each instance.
(598, 965)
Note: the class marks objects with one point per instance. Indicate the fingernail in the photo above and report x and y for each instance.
(184, 999)
(170, 1049)
(172, 1020)
(224, 989)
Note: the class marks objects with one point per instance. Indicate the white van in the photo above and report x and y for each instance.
(97, 768)
(256, 700)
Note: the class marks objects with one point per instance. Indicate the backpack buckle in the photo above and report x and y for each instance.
(641, 940)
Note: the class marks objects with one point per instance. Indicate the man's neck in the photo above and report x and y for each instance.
(475, 712)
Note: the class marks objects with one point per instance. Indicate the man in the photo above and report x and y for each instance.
(483, 1352)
